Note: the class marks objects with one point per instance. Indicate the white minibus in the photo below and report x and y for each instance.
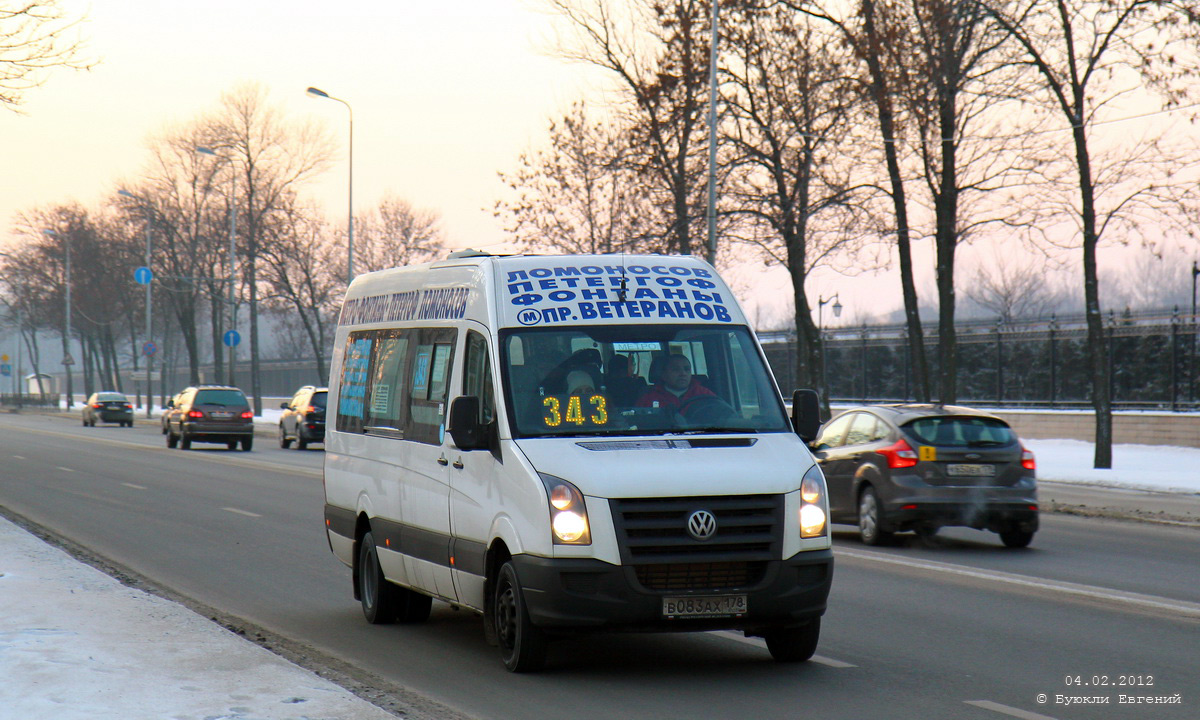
(565, 444)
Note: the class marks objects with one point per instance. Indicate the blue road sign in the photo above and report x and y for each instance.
(232, 338)
(149, 348)
(143, 275)
(5, 369)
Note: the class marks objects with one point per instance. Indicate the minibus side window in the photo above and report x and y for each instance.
(386, 395)
(373, 392)
(432, 355)
(352, 395)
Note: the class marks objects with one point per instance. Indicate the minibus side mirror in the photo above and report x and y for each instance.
(465, 429)
(806, 414)
(283, 406)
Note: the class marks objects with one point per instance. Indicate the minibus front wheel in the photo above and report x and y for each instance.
(794, 644)
(522, 644)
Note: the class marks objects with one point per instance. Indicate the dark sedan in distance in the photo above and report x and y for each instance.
(892, 468)
(109, 407)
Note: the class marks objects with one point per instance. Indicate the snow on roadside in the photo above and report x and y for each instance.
(1160, 468)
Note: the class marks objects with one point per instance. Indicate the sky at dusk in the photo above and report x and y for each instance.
(445, 95)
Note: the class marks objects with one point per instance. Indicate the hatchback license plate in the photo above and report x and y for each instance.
(220, 414)
(704, 606)
(971, 470)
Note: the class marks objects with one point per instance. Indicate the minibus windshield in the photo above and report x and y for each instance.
(637, 380)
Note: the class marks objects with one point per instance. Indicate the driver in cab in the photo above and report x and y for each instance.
(676, 387)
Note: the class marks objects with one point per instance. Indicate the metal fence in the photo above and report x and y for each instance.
(1154, 364)
(1152, 356)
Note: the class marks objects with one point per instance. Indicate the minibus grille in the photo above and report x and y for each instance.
(654, 538)
(701, 576)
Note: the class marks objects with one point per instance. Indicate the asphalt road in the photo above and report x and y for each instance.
(957, 627)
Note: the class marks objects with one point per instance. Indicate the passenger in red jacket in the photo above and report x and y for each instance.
(676, 387)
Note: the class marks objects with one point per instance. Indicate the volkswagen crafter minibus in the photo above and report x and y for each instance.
(565, 444)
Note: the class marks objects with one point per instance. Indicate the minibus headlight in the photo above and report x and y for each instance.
(812, 495)
(569, 527)
(568, 512)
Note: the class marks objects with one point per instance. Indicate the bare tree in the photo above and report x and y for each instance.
(579, 194)
(1009, 288)
(394, 233)
(657, 50)
(792, 110)
(1083, 51)
(33, 40)
(304, 279)
(21, 269)
(171, 203)
(98, 312)
(1152, 280)
(955, 76)
(870, 34)
(273, 158)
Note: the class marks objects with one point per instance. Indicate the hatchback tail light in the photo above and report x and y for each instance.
(247, 415)
(310, 409)
(1027, 460)
(899, 455)
(195, 414)
(97, 405)
(128, 406)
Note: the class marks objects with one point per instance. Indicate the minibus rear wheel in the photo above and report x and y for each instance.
(384, 602)
(522, 644)
(377, 594)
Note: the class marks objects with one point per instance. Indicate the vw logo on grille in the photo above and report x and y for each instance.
(702, 525)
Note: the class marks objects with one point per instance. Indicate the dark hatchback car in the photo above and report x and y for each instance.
(892, 468)
(211, 413)
(109, 407)
(303, 418)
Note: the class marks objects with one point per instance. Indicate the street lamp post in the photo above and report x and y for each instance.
(68, 361)
(712, 136)
(822, 302)
(317, 92)
(837, 312)
(232, 251)
(149, 336)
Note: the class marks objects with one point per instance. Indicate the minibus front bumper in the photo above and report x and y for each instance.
(585, 594)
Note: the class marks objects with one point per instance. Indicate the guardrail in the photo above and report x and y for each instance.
(19, 400)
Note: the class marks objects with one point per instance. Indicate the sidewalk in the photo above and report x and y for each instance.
(75, 644)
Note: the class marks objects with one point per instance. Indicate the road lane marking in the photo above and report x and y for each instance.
(1006, 710)
(60, 467)
(247, 513)
(1121, 597)
(219, 457)
(18, 457)
(760, 643)
(830, 662)
(135, 487)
